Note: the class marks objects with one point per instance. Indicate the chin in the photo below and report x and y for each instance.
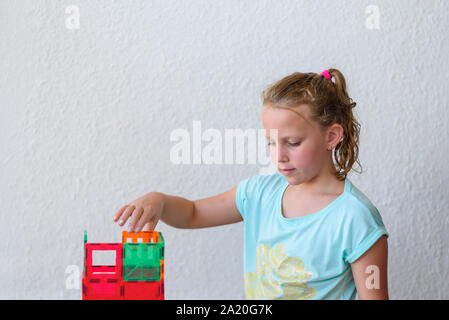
(293, 180)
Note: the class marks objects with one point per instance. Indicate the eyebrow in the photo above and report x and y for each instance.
(287, 137)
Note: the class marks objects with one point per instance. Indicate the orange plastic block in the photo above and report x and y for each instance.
(141, 237)
(162, 270)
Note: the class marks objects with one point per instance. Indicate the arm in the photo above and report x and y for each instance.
(209, 212)
(179, 212)
(215, 211)
(370, 272)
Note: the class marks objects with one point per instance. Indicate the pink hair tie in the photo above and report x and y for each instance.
(326, 74)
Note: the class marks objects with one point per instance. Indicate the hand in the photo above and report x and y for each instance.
(144, 212)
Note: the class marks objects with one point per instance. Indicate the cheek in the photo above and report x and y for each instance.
(308, 155)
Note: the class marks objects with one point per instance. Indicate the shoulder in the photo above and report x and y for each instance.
(262, 183)
(359, 208)
(255, 189)
(361, 224)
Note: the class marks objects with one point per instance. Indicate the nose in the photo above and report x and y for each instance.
(281, 155)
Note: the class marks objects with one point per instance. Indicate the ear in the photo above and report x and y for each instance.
(334, 135)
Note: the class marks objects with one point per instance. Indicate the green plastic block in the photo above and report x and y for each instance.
(142, 261)
(84, 250)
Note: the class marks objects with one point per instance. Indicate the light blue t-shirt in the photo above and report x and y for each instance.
(307, 257)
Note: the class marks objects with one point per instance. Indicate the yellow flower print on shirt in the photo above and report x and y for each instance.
(278, 276)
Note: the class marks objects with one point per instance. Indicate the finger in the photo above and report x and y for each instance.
(120, 212)
(146, 227)
(142, 221)
(124, 217)
(152, 224)
(134, 219)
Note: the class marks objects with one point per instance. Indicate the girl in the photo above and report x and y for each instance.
(309, 232)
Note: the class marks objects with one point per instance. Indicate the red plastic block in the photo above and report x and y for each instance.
(143, 290)
(105, 282)
(102, 288)
(115, 271)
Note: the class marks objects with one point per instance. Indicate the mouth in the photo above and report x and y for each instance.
(286, 171)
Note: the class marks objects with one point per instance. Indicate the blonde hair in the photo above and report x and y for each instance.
(329, 103)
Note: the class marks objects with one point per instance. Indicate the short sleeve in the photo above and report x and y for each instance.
(363, 228)
(247, 190)
(241, 197)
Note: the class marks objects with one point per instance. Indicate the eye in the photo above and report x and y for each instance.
(295, 144)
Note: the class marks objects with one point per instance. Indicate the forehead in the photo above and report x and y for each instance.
(288, 120)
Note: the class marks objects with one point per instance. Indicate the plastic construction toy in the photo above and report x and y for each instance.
(138, 273)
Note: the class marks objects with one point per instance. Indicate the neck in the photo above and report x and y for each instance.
(325, 182)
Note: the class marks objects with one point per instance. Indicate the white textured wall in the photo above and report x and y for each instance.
(86, 117)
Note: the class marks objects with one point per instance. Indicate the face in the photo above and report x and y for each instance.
(300, 145)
